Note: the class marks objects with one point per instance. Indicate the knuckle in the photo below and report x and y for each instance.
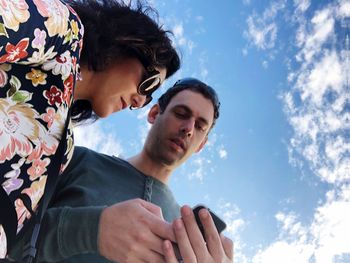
(142, 220)
(138, 200)
(210, 238)
(125, 256)
(141, 237)
(130, 250)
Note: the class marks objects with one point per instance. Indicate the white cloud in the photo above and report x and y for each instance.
(197, 168)
(317, 108)
(180, 39)
(199, 18)
(316, 105)
(265, 64)
(144, 129)
(144, 126)
(262, 36)
(111, 146)
(325, 75)
(322, 30)
(274, 8)
(93, 137)
(262, 30)
(201, 164)
(212, 140)
(282, 251)
(344, 9)
(178, 31)
(290, 227)
(222, 152)
(143, 112)
(302, 5)
(203, 61)
(190, 45)
(325, 239)
(331, 226)
(204, 73)
(230, 213)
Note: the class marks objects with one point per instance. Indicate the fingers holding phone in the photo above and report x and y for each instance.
(198, 238)
(211, 234)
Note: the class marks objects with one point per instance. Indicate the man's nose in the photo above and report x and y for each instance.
(187, 128)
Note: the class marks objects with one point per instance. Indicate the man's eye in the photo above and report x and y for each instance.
(200, 127)
(180, 115)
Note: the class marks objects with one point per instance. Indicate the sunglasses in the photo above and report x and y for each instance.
(149, 84)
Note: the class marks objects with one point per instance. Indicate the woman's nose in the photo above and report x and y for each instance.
(138, 100)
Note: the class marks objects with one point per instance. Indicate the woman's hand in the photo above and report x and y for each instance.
(193, 248)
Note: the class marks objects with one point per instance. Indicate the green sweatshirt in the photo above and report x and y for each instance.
(91, 182)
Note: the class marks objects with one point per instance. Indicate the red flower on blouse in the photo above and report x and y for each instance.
(68, 88)
(15, 52)
(54, 95)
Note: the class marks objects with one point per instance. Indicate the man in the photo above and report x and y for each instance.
(79, 225)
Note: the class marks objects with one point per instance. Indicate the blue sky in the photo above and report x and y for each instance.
(277, 165)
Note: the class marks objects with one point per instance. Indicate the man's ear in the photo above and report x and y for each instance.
(200, 147)
(153, 113)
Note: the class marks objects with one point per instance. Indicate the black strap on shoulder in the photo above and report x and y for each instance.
(30, 250)
(9, 219)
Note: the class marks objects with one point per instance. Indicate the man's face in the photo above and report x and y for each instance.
(181, 129)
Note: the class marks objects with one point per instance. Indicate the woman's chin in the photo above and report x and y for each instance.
(104, 114)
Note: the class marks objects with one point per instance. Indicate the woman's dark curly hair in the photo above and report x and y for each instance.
(115, 31)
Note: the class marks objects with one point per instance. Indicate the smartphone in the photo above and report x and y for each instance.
(219, 224)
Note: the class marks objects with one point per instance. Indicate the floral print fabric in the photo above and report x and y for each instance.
(40, 43)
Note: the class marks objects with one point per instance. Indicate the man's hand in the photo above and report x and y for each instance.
(218, 249)
(133, 231)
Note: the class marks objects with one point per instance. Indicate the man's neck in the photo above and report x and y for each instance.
(146, 165)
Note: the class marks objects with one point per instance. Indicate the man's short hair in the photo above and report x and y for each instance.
(194, 85)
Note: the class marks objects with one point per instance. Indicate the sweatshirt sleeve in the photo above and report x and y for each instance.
(69, 231)
(65, 232)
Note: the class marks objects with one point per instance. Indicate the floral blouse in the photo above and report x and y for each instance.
(40, 43)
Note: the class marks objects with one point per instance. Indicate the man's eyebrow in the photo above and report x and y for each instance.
(188, 110)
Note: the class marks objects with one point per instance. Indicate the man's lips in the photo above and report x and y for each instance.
(179, 142)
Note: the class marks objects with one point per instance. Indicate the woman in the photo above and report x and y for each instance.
(45, 83)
